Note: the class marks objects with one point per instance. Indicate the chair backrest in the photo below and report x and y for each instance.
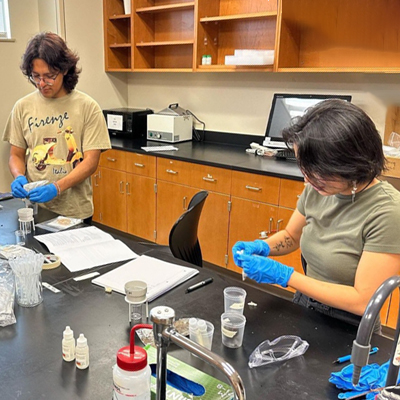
(183, 240)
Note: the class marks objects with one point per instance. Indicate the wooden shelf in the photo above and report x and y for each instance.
(234, 68)
(163, 70)
(119, 70)
(166, 8)
(120, 45)
(221, 18)
(343, 69)
(120, 16)
(166, 43)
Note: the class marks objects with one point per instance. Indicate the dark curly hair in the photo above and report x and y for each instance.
(336, 139)
(52, 49)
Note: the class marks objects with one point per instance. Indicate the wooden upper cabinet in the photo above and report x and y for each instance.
(339, 35)
(228, 25)
(306, 35)
(117, 36)
(164, 35)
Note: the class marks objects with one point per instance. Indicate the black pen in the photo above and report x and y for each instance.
(199, 285)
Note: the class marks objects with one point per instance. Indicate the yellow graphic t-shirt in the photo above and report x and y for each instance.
(56, 133)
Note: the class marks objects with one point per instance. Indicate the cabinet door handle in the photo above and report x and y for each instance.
(184, 203)
(121, 187)
(139, 165)
(209, 178)
(271, 221)
(128, 191)
(278, 224)
(95, 180)
(256, 189)
(170, 171)
(111, 159)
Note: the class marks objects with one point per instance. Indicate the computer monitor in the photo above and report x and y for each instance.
(287, 106)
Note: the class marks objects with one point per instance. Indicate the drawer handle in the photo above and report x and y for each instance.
(139, 165)
(111, 159)
(170, 171)
(209, 178)
(256, 189)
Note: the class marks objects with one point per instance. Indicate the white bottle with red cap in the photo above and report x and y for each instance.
(131, 374)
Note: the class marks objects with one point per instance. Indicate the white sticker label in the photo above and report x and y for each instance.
(114, 122)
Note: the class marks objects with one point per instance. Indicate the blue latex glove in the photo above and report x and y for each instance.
(43, 194)
(265, 270)
(373, 376)
(17, 187)
(257, 247)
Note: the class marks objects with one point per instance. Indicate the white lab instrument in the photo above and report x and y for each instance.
(173, 124)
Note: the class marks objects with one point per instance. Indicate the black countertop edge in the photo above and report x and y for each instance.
(213, 152)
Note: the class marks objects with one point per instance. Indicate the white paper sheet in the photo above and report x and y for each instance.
(160, 276)
(85, 248)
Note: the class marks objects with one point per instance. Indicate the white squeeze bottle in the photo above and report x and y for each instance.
(68, 345)
(82, 352)
(131, 374)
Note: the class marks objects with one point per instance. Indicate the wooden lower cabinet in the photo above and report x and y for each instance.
(111, 198)
(141, 206)
(172, 202)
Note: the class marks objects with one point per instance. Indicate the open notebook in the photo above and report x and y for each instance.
(160, 276)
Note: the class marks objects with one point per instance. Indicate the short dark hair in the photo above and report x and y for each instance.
(336, 139)
(52, 49)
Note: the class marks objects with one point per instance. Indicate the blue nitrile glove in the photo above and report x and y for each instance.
(43, 194)
(265, 270)
(17, 187)
(373, 376)
(257, 247)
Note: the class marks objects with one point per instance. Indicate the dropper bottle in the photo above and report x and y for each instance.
(82, 352)
(68, 345)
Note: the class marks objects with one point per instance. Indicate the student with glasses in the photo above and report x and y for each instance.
(346, 222)
(56, 133)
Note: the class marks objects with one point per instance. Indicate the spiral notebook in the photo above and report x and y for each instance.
(160, 276)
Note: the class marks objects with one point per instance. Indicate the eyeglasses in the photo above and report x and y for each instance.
(47, 79)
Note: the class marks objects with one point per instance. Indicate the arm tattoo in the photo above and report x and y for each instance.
(286, 244)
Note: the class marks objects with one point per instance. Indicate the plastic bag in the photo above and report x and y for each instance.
(7, 294)
(280, 349)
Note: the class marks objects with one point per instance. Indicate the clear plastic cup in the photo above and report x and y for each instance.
(19, 237)
(28, 288)
(234, 298)
(201, 332)
(232, 329)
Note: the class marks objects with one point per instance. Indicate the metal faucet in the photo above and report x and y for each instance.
(163, 318)
(361, 346)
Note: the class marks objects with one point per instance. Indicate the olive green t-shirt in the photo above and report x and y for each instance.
(337, 230)
(56, 133)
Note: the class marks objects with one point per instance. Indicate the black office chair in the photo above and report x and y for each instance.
(183, 241)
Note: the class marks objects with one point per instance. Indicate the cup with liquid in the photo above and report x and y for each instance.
(232, 329)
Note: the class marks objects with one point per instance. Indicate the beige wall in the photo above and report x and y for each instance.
(84, 31)
(227, 102)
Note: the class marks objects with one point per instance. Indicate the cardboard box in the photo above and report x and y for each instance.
(214, 388)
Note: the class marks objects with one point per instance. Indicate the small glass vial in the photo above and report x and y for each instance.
(82, 352)
(68, 345)
(208, 60)
(204, 60)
